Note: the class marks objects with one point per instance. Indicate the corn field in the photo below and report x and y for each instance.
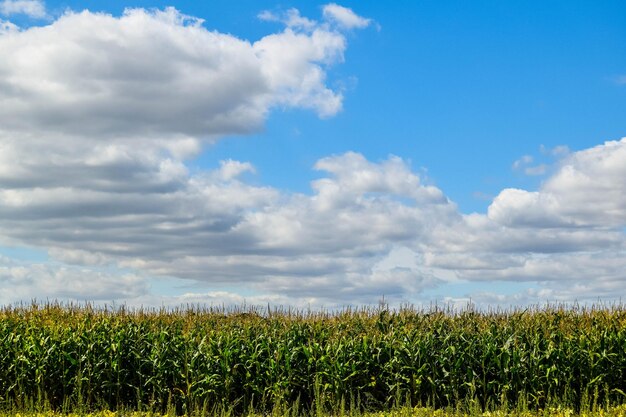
(70, 357)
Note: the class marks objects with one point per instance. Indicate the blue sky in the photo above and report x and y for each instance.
(462, 89)
(312, 153)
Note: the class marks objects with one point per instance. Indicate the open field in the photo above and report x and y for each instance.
(188, 361)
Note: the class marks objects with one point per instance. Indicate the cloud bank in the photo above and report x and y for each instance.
(98, 115)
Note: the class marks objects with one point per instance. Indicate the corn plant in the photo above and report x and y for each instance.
(84, 358)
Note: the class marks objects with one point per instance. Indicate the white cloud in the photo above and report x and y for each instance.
(158, 75)
(524, 164)
(536, 170)
(344, 16)
(591, 185)
(588, 189)
(31, 8)
(558, 151)
(523, 161)
(291, 18)
(232, 169)
(368, 229)
(7, 27)
(514, 207)
(214, 227)
(292, 68)
(527, 164)
(20, 281)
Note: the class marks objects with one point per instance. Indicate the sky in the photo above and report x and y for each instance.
(314, 155)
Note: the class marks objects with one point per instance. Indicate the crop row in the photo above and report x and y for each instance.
(70, 357)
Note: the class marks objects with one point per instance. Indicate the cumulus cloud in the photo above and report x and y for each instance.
(367, 229)
(232, 169)
(529, 166)
(524, 164)
(340, 16)
(566, 239)
(213, 227)
(158, 75)
(291, 18)
(521, 162)
(559, 151)
(31, 8)
(20, 281)
(344, 16)
(7, 27)
(587, 190)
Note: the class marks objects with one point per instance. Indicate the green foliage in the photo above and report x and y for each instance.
(87, 359)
